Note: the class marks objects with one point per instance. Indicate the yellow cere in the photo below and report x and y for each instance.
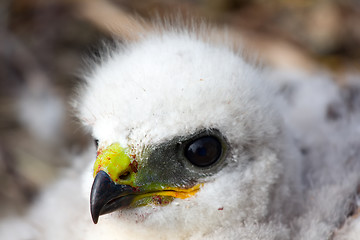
(114, 160)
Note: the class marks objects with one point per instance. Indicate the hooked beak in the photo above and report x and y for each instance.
(106, 196)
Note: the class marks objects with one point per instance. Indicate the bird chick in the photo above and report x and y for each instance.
(190, 138)
(195, 142)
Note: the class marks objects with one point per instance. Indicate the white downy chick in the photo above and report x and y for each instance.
(197, 143)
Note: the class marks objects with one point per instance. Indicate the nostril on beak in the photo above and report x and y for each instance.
(125, 176)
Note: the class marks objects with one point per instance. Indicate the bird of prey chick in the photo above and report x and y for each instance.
(195, 142)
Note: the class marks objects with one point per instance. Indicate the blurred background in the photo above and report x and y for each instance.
(44, 45)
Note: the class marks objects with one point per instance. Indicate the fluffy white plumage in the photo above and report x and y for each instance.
(292, 168)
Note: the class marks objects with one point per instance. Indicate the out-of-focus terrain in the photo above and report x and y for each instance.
(44, 44)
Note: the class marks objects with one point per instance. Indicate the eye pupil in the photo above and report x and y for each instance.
(203, 151)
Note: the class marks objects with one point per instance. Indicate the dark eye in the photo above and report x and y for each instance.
(203, 151)
(96, 143)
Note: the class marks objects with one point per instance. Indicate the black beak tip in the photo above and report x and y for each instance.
(95, 213)
(106, 196)
(95, 217)
(96, 196)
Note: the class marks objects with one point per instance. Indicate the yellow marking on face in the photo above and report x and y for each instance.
(164, 197)
(114, 160)
(181, 193)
